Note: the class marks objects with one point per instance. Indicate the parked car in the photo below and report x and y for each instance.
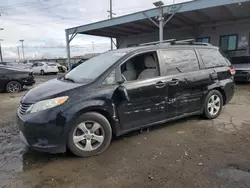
(12, 79)
(3, 63)
(61, 68)
(124, 90)
(44, 68)
(77, 64)
(20, 66)
(242, 72)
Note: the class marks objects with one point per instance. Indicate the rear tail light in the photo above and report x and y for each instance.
(232, 70)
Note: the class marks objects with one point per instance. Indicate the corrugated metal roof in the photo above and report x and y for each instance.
(194, 13)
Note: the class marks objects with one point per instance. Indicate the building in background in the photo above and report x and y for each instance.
(223, 23)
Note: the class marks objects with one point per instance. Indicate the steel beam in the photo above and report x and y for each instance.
(199, 13)
(154, 22)
(161, 25)
(188, 6)
(226, 9)
(125, 29)
(68, 49)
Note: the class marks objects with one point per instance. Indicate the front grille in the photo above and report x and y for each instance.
(23, 108)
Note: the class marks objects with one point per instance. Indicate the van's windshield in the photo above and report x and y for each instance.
(94, 67)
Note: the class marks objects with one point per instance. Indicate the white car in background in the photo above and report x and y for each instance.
(44, 68)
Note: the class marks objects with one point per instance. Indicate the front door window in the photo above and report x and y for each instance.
(141, 67)
(147, 99)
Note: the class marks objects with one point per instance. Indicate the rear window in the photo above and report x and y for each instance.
(51, 64)
(212, 58)
(179, 61)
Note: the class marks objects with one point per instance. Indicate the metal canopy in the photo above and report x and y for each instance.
(192, 14)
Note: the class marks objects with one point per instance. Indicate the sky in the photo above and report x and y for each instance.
(42, 23)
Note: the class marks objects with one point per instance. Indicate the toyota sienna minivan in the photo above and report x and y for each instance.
(124, 90)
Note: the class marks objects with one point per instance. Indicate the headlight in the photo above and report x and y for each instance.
(46, 104)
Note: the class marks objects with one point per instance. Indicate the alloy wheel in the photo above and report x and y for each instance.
(13, 87)
(214, 105)
(88, 136)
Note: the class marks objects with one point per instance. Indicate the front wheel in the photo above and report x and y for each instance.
(213, 104)
(42, 72)
(13, 87)
(90, 135)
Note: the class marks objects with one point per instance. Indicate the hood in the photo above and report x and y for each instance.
(49, 89)
(243, 66)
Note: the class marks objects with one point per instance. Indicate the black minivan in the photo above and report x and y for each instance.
(123, 90)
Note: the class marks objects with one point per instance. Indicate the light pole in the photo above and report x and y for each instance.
(18, 54)
(93, 46)
(1, 55)
(21, 40)
(159, 4)
(110, 11)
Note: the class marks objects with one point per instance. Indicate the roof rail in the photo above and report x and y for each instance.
(158, 42)
(177, 42)
(190, 42)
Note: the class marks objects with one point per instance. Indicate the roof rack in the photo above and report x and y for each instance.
(158, 42)
(189, 42)
(177, 42)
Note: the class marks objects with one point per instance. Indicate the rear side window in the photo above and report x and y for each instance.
(212, 58)
(179, 61)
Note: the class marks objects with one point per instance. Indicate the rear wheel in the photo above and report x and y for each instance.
(90, 135)
(42, 72)
(213, 104)
(13, 87)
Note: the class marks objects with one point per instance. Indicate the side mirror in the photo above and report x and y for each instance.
(123, 93)
(121, 79)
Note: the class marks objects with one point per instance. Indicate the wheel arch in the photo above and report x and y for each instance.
(105, 113)
(223, 93)
(11, 80)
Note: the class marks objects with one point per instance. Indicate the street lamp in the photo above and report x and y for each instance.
(1, 55)
(159, 4)
(21, 40)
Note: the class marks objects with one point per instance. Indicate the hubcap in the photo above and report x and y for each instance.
(214, 104)
(88, 136)
(14, 87)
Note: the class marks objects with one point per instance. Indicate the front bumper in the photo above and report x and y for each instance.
(28, 81)
(42, 134)
(229, 91)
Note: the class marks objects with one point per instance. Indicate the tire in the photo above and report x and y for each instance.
(213, 104)
(13, 87)
(42, 72)
(83, 135)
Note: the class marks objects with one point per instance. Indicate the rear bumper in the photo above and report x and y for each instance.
(229, 91)
(242, 77)
(51, 70)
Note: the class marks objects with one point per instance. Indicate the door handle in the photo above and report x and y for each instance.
(173, 82)
(160, 84)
